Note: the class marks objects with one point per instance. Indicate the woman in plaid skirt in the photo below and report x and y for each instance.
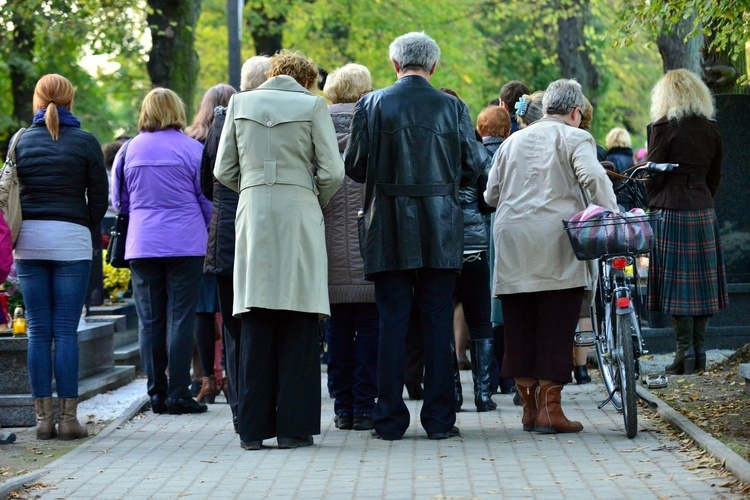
(687, 277)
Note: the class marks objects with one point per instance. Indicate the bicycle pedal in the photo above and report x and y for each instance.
(656, 380)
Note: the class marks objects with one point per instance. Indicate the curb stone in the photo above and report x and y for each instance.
(728, 458)
(16, 483)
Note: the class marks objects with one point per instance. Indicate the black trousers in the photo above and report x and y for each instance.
(471, 291)
(165, 294)
(231, 337)
(279, 376)
(539, 330)
(395, 292)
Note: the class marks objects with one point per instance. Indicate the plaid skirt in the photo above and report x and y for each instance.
(686, 275)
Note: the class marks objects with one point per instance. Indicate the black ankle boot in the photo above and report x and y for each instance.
(581, 374)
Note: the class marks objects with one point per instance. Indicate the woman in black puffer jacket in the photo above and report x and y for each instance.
(473, 283)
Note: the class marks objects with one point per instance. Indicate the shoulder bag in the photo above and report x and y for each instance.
(10, 194)
(119, 233)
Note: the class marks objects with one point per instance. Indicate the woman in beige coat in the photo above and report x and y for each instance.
(278, 149)
(543, 174)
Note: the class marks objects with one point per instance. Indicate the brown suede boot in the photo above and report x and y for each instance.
(69, 428)
(45, 418)
(528, 398)
(208, 391)
(550, 417)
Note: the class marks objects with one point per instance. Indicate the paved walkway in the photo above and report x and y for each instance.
(198, 456)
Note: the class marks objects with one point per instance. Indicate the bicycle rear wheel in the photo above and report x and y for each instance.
(626, 379)
(605, 356)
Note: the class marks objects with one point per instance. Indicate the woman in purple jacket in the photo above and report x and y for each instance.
(158, 184)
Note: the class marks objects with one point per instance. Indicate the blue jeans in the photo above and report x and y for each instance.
(352, 337)
(54, 292)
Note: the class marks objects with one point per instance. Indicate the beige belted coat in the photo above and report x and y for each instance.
(278, 150)
(538, 179)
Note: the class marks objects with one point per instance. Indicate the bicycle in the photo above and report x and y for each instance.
(617, 309)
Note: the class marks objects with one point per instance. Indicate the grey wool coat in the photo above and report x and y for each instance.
(278, 150)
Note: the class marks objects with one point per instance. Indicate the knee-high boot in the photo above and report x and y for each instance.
(481, 356)
(458, 394)
(684, 359)
(700, 324)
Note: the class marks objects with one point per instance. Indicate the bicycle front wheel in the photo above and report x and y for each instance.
(626, 325)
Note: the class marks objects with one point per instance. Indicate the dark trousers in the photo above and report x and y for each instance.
(414, 372)
(472, 288)
(539, 330)
(352, 337)
(165, 294)
(231, 338)
(279, 379)
(395, 292)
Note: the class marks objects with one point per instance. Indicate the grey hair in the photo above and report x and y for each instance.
(254, 72)
(415, 49)
(562, 96)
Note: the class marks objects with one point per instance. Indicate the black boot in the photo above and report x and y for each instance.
(458, 394)
(684, 359)
(581, 374)
(700, 323)
(481, 355)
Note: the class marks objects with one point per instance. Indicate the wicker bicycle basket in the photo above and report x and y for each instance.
(612, 233)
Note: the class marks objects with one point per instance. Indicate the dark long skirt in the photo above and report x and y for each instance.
(686, 272)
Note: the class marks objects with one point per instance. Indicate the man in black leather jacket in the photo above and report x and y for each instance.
(413, 146)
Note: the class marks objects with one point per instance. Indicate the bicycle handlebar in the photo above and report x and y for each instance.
(653, 168)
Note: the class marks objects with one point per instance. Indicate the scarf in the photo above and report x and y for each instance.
(67, 119)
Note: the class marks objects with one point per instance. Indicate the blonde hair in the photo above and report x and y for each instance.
(587, 114)
(253, 72)
(617, 138)
(680, 94)
(52, 91)
(347, 83)
(493, 121)
(296, 65)
(162, 109)
(218, 95)
(533, 111)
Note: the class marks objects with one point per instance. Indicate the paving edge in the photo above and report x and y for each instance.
(728, 458)
(16, 483)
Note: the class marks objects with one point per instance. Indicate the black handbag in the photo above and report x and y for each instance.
(119, 233)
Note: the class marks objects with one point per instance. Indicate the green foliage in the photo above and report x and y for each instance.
(726, 23)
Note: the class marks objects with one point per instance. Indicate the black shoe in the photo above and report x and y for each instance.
(453, 432)
(581, 374)
(7, 437)
(158, 406)
(251, 445)
(195, 387)
(363, 422)
(289, 443)
(517, 399)
(375, 434)
(185, 405)
(415, 390)
(343, 421)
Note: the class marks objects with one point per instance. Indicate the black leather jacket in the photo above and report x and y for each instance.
(413, 146)
(220, 250)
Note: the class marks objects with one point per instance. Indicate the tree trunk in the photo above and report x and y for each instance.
(678, 53)
(720, 72)
(267, 32)
(173, 62)
(572, 53)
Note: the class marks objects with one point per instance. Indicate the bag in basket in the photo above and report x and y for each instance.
(597, 231)
(10, 192)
